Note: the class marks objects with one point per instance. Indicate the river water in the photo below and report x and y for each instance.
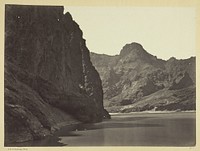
(131, 129)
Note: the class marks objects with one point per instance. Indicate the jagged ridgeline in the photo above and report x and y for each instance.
(138, 81)
(49, 78)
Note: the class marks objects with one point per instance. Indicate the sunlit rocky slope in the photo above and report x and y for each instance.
(135, 80)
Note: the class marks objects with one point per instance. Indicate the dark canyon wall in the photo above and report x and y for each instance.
(49, 79)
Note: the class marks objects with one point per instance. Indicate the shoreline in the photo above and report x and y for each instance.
(154, 112)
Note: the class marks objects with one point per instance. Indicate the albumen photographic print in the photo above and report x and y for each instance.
(99, 76)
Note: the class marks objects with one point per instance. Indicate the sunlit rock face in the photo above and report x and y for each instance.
(49, 78)
(135, 80)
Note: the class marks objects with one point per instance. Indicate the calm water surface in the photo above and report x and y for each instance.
(132, 129)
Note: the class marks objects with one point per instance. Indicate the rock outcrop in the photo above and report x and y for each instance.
(182, 81)
(49, 78)
(134, 75)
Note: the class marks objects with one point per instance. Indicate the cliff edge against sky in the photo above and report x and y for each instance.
(49, 78)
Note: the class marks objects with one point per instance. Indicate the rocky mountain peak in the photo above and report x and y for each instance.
(132, 48)
(172, 60)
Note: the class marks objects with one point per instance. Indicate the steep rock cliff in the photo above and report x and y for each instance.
(49, 78)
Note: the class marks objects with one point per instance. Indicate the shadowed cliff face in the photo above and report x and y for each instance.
(49, 78)
(135, 80)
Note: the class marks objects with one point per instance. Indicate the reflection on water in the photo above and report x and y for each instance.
(170, 129)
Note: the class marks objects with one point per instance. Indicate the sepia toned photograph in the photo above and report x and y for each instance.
(99, 76)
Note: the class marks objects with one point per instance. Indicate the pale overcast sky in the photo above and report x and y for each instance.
(163, 31)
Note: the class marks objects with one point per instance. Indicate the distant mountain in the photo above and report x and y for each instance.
(135, 80)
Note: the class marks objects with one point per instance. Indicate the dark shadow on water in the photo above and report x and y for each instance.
(70, 129)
